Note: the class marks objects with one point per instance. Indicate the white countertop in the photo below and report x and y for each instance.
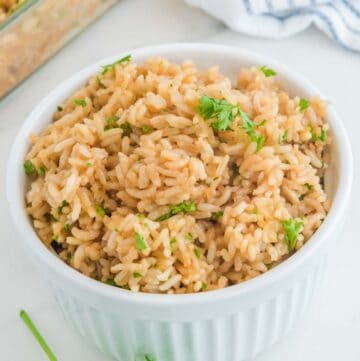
(331, 331)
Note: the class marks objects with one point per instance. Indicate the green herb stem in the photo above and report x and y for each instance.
(28, 322)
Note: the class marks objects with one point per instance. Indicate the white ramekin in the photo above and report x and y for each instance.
(225, 325)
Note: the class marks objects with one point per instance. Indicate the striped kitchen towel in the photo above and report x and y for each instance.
(339, 19)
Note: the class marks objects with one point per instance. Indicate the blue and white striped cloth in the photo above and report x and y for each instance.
(339, 19)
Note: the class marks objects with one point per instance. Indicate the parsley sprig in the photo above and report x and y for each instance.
(183, 207)
(292, 228)
(224, 113)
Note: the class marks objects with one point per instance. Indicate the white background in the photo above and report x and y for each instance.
(332, 330)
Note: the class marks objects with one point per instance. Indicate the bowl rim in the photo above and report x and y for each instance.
(87, 284)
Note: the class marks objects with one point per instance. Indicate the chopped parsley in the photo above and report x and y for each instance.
(197, 252)
(111, 122)
(111, 282)
(141, 216)
(189, 236)
(67, 227)
(283, 137)
(89, 164)
(172, 240)
(30, 168)
(292, 229)
(62, 206)
(315, 137)
(42, 170)
(38, 337)
(304, 104)
(124, 60)
(80, 102)
(217, 215)
(140, 243)
(101, 211)
(267, 71)
(204, 286)
(55, 238)
(249, 127)
(137, 275)
(146, 129)
(223, 114)
(308, 186)
(183, 207)
(99, 82)
(126, 129)
(218, 109)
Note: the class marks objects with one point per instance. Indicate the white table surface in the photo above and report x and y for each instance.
(332, 330)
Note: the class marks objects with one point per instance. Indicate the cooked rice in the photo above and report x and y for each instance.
(116, 184)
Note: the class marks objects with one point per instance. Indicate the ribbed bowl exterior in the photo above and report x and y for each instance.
(234, 337)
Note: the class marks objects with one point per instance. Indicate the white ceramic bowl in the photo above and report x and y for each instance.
(231, 324)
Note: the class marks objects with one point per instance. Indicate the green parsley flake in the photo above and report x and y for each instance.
(137, 275)
(30, 168)
(283, 137)
(249, 127)
(140, 243)
(126, 129)
(62, 206)
(148, 358)
(55, 238)
(304, 104)
(38, 337)
(189, 237)
(204, 286)
(146, 129)
(80, 102)
(101, 211)
(111, 282)
(217, 215)
(197, 252)
(111, 122)
(42, 170)
(292, 229)
(67, 227)
(126, 59)
(315, 137)
(173, 240)
(308, 186)
(89, 164)
(267, 71)
(184, 207)
(99, 82)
